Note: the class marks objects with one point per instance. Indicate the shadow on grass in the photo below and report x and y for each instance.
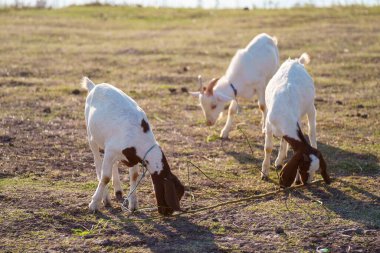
(344, 163)
(347, 203)
(165, 234)
(350, 201)
(340, 162)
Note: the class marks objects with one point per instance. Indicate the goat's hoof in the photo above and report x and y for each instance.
(264, 178)
(106, 201)
(279, 167)
(223, 135)
(133, 205)
(119, 196)
(132, 208)
(93, 206)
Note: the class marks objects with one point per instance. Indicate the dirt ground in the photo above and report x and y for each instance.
(47, 176)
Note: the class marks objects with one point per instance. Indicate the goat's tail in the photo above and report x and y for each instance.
(87, 84)
(304, 59)
(274, 38)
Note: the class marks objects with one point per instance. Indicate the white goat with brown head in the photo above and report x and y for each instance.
(289, 97)
(248, 74)
(119, 128)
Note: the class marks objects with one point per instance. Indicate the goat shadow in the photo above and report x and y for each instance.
(340, 163)
(165, 234)
(365, 209)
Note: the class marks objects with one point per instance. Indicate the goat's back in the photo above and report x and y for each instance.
(289, 95)
(111, 114)
(258, 61)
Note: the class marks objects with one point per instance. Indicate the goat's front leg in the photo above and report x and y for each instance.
(133, 178)
(281, 154)
(311, 117)
(232, 109)
(106, 172)
(262, 106)
(268, 151)
(116, 183)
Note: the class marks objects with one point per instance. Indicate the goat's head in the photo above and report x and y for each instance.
(212, 103)
(307, 160)
(168, 189)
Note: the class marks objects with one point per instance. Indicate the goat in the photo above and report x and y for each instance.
(248, 73)
(289, 96)
(117, 126)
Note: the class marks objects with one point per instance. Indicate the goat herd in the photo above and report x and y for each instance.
(119, 128)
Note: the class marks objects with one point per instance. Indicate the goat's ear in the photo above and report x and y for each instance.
(323, 167)
(223, 98)
(171, 197)
(159, 191)
(195, 93)
(289, 172)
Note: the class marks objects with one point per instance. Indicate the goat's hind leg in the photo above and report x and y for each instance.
(116, 183)
(262, 107)
(105, 176)
(268, 151)
(311, 117)
(98, 166)
(281, 154)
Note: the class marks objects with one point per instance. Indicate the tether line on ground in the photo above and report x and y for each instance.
(244, 199)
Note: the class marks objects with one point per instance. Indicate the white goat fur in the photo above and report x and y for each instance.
(249, 71)
(113, 122)
(289, 97)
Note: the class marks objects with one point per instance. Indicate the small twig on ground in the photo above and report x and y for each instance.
(189, 186)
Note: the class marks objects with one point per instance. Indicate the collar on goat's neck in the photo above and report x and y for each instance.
(156, 162)
(234, 89)
(153, 159)
(226, 89)
(144, 162)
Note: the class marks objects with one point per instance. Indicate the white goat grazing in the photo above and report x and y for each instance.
(289, 96)
(248, 73)
(117, 126)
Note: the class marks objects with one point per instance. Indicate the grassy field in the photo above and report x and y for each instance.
(47, 176)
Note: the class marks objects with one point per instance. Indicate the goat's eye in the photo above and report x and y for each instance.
(213, 107)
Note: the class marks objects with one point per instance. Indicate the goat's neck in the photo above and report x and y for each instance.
(224, 87)
(156, 161)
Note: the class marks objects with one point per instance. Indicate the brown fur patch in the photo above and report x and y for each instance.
(132, 158)
(135, 176)
(262, 107)
(106, 180)
(145, 126)
(168, 189)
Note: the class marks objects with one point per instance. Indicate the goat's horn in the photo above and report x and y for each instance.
(200, 83)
